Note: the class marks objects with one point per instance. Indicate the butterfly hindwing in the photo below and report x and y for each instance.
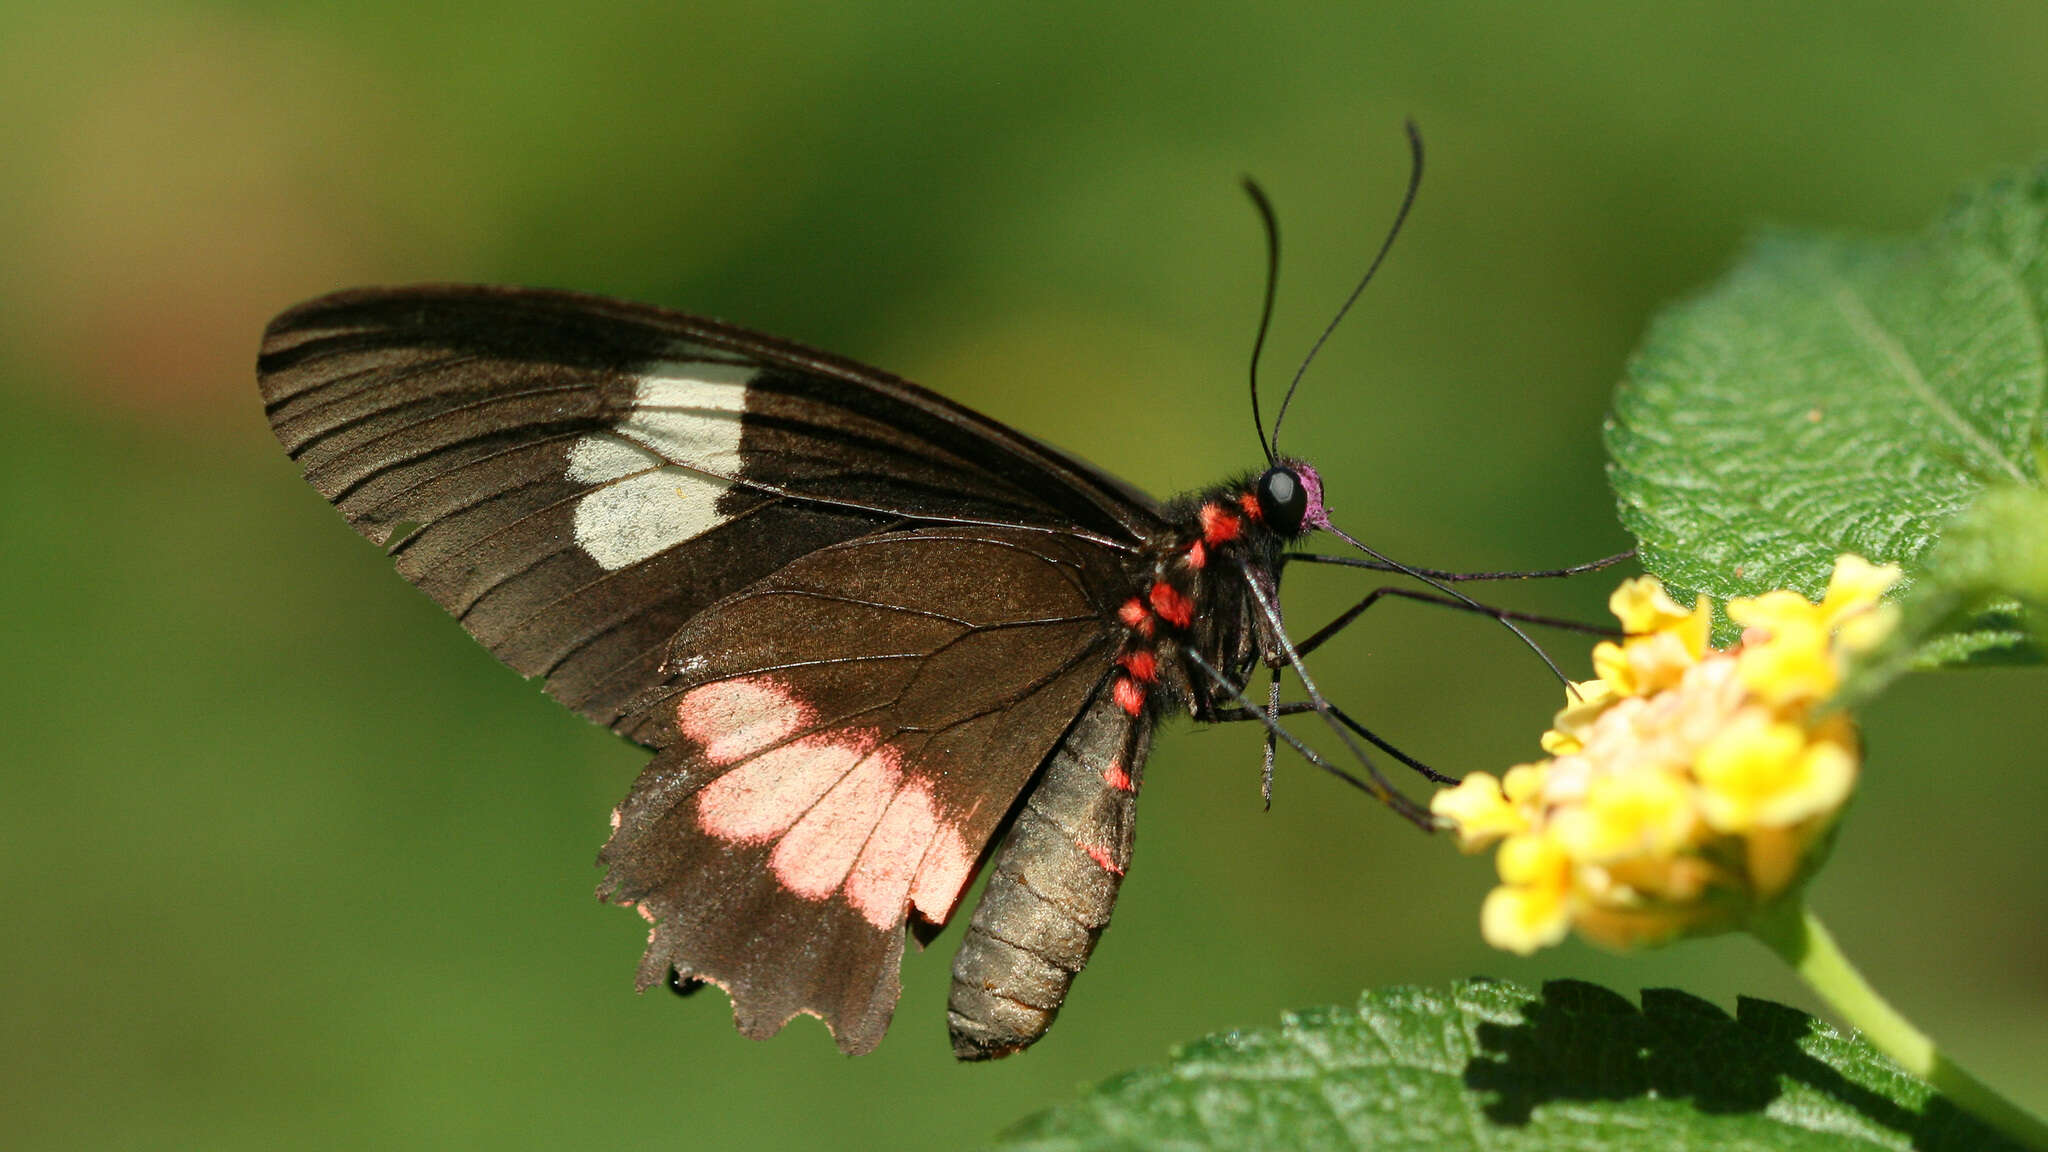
(850, 734)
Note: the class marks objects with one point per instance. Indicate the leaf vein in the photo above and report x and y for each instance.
(1860, 318)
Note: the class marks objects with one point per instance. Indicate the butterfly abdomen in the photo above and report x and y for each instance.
(1051, 886)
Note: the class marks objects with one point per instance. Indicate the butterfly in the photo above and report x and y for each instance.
(878, 642)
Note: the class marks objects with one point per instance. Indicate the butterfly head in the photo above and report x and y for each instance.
(1290, 498)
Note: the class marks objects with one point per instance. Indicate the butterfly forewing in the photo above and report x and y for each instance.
(580, 476)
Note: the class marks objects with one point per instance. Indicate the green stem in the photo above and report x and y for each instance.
(1793, 932)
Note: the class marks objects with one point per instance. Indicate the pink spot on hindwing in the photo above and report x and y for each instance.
(943, 876)
(879, 885)
(837, 805)
(815, 856)
(1116, 777)
(733, 719)
(763, 798)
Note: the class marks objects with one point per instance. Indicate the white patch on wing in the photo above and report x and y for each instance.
(663, 467)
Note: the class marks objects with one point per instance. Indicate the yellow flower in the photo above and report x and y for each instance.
(1763, 772)
(1643, 607)
(1583, 703)
(1662, 639)
(1688, 787)
(1530, 909)
(1792, 647)
(1626, 816)
(1855, 599)
(1479, 810)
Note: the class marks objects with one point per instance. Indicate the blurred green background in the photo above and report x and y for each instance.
(288, 858)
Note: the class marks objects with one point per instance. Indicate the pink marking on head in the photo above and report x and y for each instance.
(943, 875)
(1116, 777)
(1197, 555)
(1102, 858)
(1129, 696)
(814, 858)
(761, 799)
(733, 719)
(1312, 483)
(879, 885)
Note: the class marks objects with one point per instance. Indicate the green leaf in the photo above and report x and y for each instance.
(1494, 1066)
(1836, 394)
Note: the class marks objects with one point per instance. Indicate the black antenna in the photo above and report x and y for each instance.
(1272, 223)
(1407, 202)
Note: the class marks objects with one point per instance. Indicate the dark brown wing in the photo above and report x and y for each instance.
(576, 478)
(850, 734)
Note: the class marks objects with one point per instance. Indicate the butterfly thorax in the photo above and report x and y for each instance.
(1193, 593)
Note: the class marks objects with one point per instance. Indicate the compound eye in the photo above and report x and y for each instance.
(1283, 500)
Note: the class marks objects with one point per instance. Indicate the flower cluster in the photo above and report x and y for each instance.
(1687, 786)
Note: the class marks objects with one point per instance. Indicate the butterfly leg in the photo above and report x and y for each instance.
(1272, 722)
(1240, 714)
(1344, 618)
(1372, 783)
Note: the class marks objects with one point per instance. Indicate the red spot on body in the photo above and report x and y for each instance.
(1219, 524)
(1249, 501)
(1129, 696)
(1197, 555)
(1102, 858)
(1135, 615)
(1173, 607)
(1116, 777)
(1142, 664)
